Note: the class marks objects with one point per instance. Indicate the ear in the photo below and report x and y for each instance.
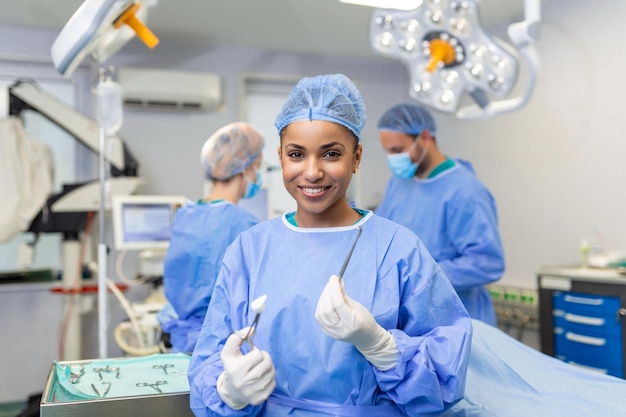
(425, 134)
(280, 155)
(357, 158)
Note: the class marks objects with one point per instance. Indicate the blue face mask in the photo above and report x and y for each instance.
(401, 164)
(252, 187)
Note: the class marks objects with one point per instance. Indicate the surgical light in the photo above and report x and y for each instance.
(98, 29)
(448, 55)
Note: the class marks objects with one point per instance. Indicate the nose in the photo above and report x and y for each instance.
(313, 169)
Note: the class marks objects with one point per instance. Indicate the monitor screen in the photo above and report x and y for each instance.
(144, 222)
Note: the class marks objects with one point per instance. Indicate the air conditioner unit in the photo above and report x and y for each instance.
(170, 90)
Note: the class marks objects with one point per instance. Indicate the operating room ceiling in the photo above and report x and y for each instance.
(306, 26)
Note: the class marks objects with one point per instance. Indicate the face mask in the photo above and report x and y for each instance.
(401, 164)
(252, 187)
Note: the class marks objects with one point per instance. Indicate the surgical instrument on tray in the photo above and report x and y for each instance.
(108, 388)
(76, 372)
(164, 367)
(154, 385)
(108, 370)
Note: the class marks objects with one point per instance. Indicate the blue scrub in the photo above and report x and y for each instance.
(200, 235)
(455, 216)
(391, 273)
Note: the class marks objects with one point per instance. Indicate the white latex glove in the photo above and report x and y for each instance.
(342, 318)
(247, 379)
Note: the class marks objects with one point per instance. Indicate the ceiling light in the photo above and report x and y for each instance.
(449, 55)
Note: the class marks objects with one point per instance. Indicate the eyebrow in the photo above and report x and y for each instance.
(323, 147)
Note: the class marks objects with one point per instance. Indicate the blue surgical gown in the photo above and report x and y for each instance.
(391, 273)
(455, 216)
(200, 235)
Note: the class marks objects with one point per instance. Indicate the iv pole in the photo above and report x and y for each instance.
(97, 29)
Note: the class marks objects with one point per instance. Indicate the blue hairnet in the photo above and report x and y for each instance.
(230, 150)
(333, 98)
(407, 118)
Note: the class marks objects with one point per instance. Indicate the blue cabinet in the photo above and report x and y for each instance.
(581, 315)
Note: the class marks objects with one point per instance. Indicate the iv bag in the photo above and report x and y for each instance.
(110, 105)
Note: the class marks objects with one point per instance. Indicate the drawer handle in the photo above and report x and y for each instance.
(582, 300)
(588, 340)
(591, 321)
(591, 368)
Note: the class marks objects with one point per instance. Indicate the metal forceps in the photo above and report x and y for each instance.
(164, 367)
(106, 391)
(75, 373)
(257, 305)
(154, 385)
(345, 263)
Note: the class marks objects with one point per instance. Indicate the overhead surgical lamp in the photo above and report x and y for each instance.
(98, 29)
(449, 56)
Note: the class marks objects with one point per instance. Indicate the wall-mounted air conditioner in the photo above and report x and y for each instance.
(170, 90)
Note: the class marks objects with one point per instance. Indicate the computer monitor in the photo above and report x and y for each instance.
(144, 222)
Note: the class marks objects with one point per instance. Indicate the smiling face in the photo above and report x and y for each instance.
(318, 159)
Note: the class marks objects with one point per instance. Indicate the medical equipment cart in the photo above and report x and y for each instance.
(582, 317)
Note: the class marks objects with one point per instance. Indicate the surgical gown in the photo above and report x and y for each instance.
(391, 273)
(200, 235)
(455, 216)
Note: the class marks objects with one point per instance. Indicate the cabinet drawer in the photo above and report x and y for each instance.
(586, 304)
(592, 366)
(588, 325)
(601, 350)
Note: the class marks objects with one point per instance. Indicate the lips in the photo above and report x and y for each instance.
(314, 191)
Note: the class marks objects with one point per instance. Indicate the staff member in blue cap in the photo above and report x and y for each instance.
(390, 337)
(231, 159)
(444, 203)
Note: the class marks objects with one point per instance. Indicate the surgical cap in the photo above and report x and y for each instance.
(332, 98)
(230, 150)
(407, 118)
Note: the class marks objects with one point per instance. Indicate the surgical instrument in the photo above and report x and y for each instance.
(154, 385)
(108, 370)
(345, 263)
(164, 367)
(108, 388)
(257, 305)
(106, 391)
(75, 373)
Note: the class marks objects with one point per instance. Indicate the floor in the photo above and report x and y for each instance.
(12, 409)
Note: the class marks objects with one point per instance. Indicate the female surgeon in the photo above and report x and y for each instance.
(231, 158)
(389, 337)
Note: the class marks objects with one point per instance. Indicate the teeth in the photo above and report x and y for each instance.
(313, 190)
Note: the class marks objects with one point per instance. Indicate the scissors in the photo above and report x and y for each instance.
(345, 263)
(155, 385)
(108, 370)
(164, 367)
